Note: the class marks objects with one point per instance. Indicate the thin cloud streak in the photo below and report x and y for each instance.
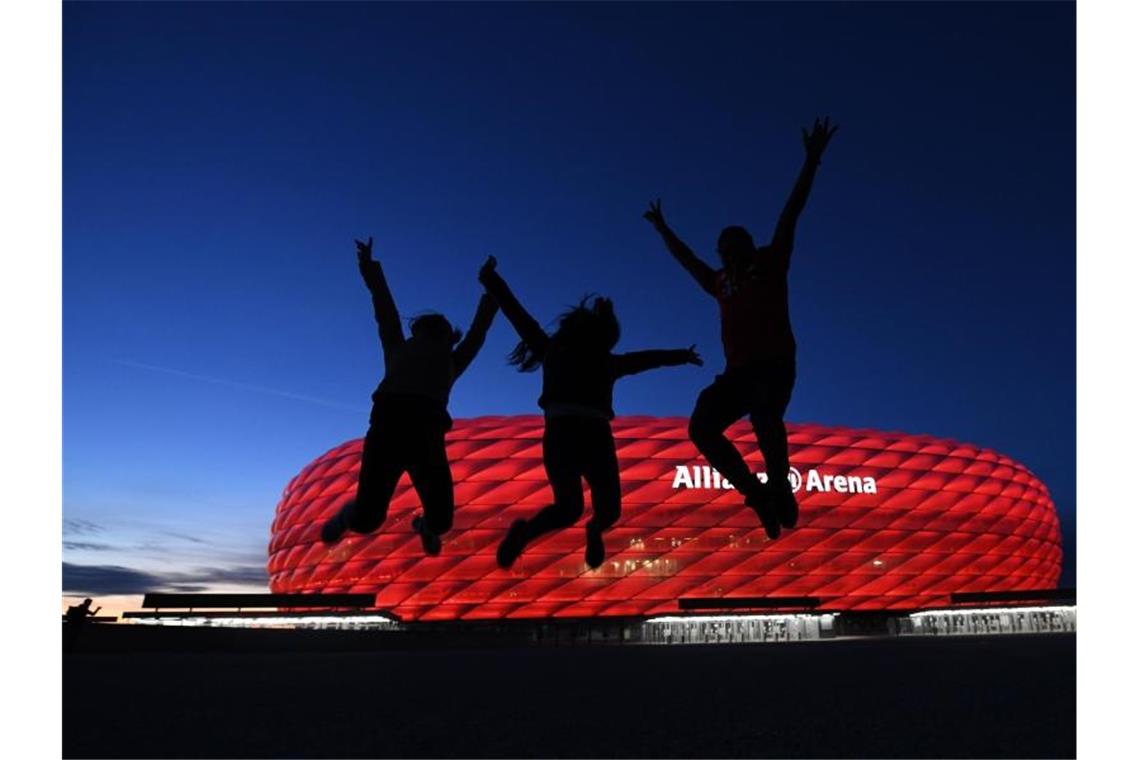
(117, 579)
(240, 386)
(77, 527)
(87, 546)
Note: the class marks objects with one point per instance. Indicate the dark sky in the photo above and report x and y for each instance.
(219, 159)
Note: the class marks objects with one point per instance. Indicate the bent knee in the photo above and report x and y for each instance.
(569, 510)
(364, 521)
(701, 431)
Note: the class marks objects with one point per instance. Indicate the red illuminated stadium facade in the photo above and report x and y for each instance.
(888, 522)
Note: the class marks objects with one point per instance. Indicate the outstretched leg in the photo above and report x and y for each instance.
(431, 477)
(564, 512)
(605, 492)
(718, 406)
(561, 458)
(381, 466)
(380, 469)
(774, 391)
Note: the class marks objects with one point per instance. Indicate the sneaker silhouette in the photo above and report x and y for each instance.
(512, 546)
(595, 548)
(430, 540)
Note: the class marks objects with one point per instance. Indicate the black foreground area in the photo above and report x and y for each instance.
(1009, 696)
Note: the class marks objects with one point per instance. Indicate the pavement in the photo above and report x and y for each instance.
(1000, 696)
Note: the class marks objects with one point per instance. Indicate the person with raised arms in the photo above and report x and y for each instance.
(579, 369)
(751, 288)
(409, 416)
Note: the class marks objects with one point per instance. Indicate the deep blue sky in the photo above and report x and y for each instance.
(220, 158)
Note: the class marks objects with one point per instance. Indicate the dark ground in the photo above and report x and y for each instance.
(1009, 696)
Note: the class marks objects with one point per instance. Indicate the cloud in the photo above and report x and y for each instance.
(185, 537)
(240, 386)
(76, 527)
(247, 574)
(106, 579)
(87, 546)
(115, 579)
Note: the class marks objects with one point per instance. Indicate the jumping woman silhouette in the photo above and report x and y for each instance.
(579, 369)
(409, 413)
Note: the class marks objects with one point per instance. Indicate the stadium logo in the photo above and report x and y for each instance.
(794, 478)
(703, 476)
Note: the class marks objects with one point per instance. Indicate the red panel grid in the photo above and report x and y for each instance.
(943, 517)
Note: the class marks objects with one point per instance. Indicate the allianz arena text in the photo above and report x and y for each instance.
(887, 521)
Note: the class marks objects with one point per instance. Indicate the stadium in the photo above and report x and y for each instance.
(889, 521)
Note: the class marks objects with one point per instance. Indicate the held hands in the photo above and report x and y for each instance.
(655, 217)
(815, 142)
(364, 251)
(694, 357)
(488, 268)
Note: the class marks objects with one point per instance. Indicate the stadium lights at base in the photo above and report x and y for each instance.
(274, 621)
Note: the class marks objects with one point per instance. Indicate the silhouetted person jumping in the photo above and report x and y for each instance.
(409, 413)
(578, 375)
(760, 350)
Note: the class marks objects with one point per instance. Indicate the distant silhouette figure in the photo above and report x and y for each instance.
(578, 375)
(76, 617)
(409, 413)
(78, 613)
(760, 350)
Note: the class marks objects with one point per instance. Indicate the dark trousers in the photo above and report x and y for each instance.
(762, 391)
(405, 434)
(574, 448)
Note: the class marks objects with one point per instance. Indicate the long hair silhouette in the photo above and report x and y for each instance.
(584, 328)
(579, 370)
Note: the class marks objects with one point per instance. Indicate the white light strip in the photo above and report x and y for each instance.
(737, 618)
(313, 621)
(992, 611)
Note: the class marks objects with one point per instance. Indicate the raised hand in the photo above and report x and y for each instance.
(369, 267)
(364, 251)
(694, 357)
(655, 216)
(815, 142)
(487, 268)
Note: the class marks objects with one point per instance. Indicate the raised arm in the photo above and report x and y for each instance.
(465, 352)
(383, 306)
(640, 361)
(815, 143)
(525, 325)
(701, 272)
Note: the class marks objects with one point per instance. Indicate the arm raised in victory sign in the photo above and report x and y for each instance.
(383, 306)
